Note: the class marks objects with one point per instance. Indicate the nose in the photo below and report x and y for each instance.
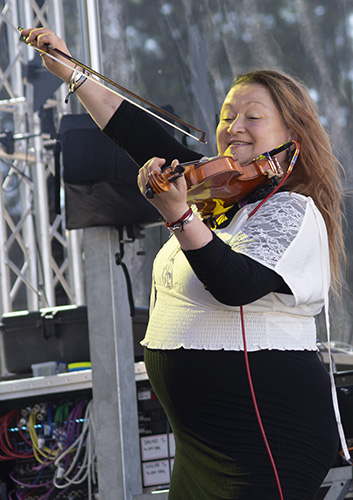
(235, 125)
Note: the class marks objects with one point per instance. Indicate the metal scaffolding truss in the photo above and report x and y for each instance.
(30, 232)
(40, 262)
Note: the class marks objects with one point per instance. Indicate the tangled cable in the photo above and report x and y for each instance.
(61, 445)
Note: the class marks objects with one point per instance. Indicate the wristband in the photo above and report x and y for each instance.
(76, 80)
(180, 223)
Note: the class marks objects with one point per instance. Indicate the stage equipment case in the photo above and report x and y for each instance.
(52, 334)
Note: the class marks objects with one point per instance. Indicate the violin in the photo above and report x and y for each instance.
(215, 184)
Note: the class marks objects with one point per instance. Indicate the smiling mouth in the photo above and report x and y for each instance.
(238, 143)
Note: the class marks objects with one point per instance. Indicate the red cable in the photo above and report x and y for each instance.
(258, 416)
(29, 493)
(257, 408)
(5, 443)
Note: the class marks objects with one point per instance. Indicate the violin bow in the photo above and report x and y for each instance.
(91, 71)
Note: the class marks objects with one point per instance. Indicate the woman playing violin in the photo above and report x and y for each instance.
(246, 289)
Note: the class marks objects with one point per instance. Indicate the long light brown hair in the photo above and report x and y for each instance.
(317, 171)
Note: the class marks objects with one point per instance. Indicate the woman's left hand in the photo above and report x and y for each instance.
(171, 204)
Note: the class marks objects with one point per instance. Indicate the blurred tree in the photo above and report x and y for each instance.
(186, 53)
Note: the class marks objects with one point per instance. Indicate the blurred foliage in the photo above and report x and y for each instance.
(179, 51)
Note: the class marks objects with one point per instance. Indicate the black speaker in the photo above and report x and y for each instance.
(100, 179)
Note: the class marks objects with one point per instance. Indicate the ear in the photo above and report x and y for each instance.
(292, 136)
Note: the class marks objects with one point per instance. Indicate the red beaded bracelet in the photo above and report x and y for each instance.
(180, 223)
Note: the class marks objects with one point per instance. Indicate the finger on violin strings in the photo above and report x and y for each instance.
(142, 176)
(146, 176)
(144, 186)
(178, 167)
(176, 173)
(143, 181)
(153, 165)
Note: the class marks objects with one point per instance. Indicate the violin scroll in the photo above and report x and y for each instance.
(158, 182)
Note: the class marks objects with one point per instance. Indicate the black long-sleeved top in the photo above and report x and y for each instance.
(232, 278)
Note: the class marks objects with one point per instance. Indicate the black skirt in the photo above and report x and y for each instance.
(220, 452)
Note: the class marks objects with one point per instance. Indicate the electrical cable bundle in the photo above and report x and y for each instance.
(63, 445)
(82, 466)
(7, 450)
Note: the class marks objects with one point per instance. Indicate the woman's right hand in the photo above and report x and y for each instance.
(41, 38)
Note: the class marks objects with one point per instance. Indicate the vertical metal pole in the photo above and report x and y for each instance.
(24, 189)
(42, 215)
(113, 379)
(41, 204)
(33, 295)
(92, 43)
(73, 237)
(111, 340)
(76, 268)
(4, 271)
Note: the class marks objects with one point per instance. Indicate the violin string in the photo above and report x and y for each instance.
(98, 75)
